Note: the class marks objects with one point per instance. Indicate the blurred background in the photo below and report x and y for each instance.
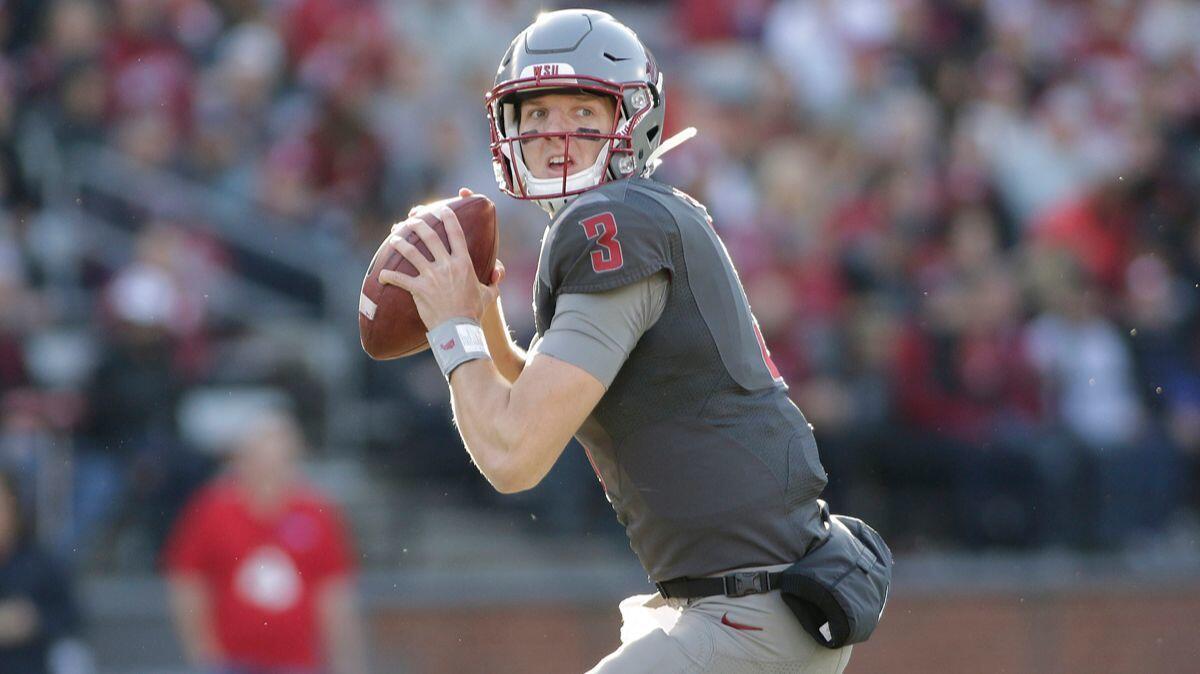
(970, 230)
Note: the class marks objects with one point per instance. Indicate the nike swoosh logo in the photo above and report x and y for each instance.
(448, 345)
(738, 626)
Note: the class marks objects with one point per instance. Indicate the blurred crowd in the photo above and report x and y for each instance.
(970, 230)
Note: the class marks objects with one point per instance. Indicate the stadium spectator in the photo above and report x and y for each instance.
(36, 451)
(1087, 369)
(260, 568)
(132, 463)
(39, 620)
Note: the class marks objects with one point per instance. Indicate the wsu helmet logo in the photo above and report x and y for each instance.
(541, 70)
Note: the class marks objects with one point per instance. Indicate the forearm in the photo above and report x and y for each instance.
(190, 608)
(509, 358)
(480, 396)
(515, 432)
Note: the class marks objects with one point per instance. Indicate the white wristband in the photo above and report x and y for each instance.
(455, 342)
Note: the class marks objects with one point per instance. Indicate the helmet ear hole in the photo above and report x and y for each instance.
(652, 134)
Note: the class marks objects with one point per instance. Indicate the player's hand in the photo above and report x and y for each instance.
(445, 287)
(498, 270)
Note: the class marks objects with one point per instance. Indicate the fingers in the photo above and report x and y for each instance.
(432, 241)
(416, 223)
(395, 278)
(410, 252)
(491, 291)
(404, 225)
(454, 232)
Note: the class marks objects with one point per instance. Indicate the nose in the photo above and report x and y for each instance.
(558, 121)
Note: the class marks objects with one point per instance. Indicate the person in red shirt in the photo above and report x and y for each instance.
(260, 571)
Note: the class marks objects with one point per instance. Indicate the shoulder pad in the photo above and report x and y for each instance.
(599, 243)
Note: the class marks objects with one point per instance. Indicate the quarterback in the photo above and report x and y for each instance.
(646, 350)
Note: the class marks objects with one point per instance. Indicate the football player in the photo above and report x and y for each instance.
(646, 351)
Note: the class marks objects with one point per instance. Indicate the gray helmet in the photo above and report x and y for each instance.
(576, 49)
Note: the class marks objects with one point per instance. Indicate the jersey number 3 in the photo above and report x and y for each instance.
(603, 228)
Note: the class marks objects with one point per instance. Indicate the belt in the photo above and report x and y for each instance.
(737, 584)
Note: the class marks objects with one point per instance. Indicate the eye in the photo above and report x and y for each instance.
(537, 113)
(586, 112)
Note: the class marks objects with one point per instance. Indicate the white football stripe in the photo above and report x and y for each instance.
(366, 307)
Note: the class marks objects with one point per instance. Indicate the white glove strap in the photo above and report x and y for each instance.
(455, 342)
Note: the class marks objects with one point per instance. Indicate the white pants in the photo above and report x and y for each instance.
(755, 634)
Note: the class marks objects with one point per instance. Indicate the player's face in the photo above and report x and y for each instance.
(562, 113)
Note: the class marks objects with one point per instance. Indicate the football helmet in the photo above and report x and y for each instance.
(576, 50)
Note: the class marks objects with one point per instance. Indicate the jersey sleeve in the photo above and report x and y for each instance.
(597, 331)
(603, 244)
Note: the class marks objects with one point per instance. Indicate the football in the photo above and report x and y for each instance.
(388, 323)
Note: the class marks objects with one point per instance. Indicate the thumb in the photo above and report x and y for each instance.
(491, 291)
(491, 294)
(465, 192)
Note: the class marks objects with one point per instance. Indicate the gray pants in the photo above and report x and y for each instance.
(756, 634)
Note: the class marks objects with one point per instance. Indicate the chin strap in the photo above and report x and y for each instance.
(655, 158)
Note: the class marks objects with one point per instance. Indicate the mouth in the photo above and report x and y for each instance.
(559, 162)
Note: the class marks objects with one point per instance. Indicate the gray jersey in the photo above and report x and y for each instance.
(707, 462)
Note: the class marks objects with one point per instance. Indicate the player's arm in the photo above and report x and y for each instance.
(509, 358)
(516, 433)
(537, 411)
(514, 430)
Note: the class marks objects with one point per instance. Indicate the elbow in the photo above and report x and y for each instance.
(511, 470)
(511, 478)
(511, 485)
